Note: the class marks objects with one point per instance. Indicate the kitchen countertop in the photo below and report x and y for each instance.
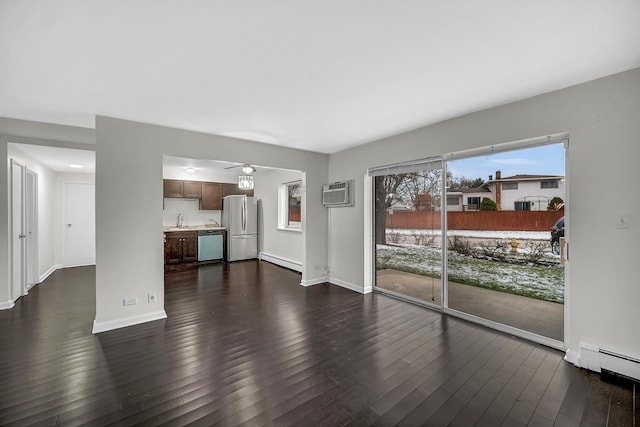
(190, 228)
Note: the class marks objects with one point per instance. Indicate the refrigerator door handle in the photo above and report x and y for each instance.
(244, 215)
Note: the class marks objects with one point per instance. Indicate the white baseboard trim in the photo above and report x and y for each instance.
(596, 359)
(312, 282)
(127, 321)
(6, 305)
(49, 272)
(282, 262)
(348, 285)
(77, 265)
(572, 357)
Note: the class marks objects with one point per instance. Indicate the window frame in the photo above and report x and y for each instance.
(552, 184)
(284, 222)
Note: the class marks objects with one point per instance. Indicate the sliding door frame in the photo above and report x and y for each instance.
(370, 252)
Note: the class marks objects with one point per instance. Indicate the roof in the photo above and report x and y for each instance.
(481, 189)
(524, 177)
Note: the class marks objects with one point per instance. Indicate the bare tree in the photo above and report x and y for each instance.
(408, 187)
(421, 183)
(386, 188)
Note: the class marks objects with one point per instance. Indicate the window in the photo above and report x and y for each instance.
(523, 206)
(290, 202)
(473, 203)
(549, 183)
(453, 201)
(509, 185)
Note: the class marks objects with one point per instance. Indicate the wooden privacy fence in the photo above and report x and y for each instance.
(480, 220)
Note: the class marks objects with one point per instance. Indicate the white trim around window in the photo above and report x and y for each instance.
(290, 206)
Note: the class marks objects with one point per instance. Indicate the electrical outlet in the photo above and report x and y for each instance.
(130, 301)
(152, 297)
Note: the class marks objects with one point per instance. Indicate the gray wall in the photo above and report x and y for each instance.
(601, 118)
(129, 242)
(283, 244)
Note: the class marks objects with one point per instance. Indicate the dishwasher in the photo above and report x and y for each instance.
(210, 245)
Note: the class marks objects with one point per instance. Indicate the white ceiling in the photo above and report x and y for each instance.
(60, 159)
(321, 75)
(175, 166)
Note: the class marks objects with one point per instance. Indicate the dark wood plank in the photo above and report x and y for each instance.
(244, 344)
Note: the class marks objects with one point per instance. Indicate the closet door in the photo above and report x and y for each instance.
(18, 234)
(31, 205)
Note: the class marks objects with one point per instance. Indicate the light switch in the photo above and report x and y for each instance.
(622, 222)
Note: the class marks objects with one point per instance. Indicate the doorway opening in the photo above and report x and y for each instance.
(46, 172)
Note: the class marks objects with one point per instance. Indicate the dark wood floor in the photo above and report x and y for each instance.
(244, 344)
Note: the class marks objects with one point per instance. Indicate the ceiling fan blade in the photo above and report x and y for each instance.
(234, 166)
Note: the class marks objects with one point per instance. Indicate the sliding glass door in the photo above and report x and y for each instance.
(501, 262)
(408, 231)
(493, 223)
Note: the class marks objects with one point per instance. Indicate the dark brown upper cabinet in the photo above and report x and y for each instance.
(173, 188)
(211, 196)
(192, 189)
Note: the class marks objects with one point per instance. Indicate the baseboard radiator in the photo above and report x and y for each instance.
(598, 359)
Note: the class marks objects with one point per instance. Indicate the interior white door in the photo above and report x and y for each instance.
(79, 224)
(18, 244)
(31, 206)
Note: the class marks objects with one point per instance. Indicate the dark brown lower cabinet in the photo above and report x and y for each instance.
(180, 247)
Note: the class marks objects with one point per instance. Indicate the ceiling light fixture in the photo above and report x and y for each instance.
(245, 182)
(76, 166)
(190, 170)
(247, 168)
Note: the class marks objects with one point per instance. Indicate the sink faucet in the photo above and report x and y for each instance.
(215, 223)
(180, 219)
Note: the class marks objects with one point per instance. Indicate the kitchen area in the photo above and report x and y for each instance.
(217, 211)
(208, 221)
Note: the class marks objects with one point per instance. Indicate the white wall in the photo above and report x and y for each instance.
(202, 175)
(276, 245)
(601, 118)
(129, 241)
(190, 209)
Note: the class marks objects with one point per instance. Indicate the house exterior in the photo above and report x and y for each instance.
(466, 199)
(513, 193)
(525, 192)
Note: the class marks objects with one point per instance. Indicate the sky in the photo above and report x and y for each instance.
(544, 160)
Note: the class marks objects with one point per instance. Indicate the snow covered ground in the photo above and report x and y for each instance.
(478, 234)
(542, 282)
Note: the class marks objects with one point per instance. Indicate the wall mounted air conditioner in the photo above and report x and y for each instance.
(337, 194)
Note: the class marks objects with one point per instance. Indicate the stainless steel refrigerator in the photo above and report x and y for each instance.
(240, 218)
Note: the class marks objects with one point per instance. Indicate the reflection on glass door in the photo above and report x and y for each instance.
(408, 237)
(502, 260)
